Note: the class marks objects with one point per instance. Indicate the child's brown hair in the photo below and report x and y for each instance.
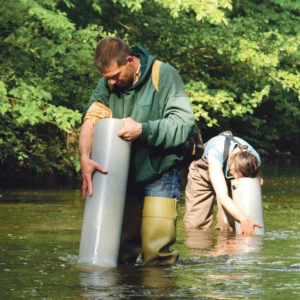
(245, 163)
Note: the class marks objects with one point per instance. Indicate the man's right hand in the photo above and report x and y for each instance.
(88, 167)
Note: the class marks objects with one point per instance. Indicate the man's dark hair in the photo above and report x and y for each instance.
(246, 164)
(111, 50)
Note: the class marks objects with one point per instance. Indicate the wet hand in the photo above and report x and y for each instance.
(247, 226)
(131, 131)
(88, 167)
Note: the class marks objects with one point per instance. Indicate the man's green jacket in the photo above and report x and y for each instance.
(166, 116)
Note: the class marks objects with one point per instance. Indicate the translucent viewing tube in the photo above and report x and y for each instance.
(246, 193)
(103, 211)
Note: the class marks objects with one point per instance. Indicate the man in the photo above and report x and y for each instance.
(224, 157)
(158, 121)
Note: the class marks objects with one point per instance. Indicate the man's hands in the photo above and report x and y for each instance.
(247, 226)
(88, 167)
(131, 131)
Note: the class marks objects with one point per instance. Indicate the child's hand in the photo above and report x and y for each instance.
(261, 180)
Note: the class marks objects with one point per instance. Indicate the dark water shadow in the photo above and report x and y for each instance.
(39, 196)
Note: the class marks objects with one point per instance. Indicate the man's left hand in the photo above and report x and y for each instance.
(131, 131)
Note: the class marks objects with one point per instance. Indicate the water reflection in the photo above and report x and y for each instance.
(126, 281)
(99, 284)
(212, 242)
(40, 234)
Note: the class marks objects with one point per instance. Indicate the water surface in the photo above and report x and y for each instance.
(40, 235)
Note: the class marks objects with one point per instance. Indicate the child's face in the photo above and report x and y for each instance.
(234, 172)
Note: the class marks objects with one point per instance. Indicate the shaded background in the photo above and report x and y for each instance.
(239, 61)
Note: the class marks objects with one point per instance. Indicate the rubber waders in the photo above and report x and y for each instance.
(131, 243)
(159, 230)
(246, 194)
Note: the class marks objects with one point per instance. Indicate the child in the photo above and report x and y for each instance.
(225, 157)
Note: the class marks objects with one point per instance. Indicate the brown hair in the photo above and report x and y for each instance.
(246, 164)
(111, 50)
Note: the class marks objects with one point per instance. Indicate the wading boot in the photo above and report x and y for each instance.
(131, 243)
(159, 230)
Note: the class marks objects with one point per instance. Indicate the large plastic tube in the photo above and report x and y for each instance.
(103, 212)
(246, 193)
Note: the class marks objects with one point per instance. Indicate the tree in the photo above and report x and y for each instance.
(239, 61)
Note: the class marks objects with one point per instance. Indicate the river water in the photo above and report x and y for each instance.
(40, 235)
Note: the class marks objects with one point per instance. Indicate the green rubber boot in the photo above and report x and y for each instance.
(159, 230)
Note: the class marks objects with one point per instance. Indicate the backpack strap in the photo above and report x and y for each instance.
(194, 142)
(228, 139)
(155, 73)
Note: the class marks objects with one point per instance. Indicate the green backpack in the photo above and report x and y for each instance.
(194, 143)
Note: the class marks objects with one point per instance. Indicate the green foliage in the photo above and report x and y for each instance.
(221, 103)
(239, 60)
(44, 75)
(36, 134)
(203, 9)
(243, 73)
